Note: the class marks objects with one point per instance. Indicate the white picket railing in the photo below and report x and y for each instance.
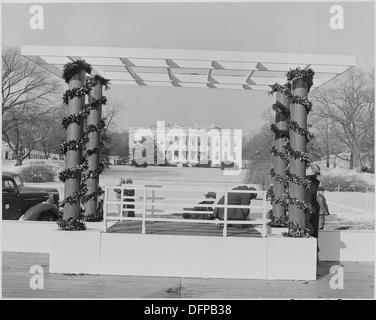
(150, 204)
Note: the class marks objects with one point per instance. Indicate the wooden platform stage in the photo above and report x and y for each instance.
(183, 228)
(358, 284)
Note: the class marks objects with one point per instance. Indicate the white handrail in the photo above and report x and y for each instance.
(143, 231)
(225, 215)
(167, 203)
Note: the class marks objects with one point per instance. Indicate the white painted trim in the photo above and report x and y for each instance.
(183, 256)
(75, 251)
(273, 257)
(165, 66)
(209, 55)
(291, 258)
(27, 236)
(347, 245)
(169, 202)
(31, 236)
(335, 245)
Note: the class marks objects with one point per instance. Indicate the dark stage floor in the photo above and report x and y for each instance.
(182, 228)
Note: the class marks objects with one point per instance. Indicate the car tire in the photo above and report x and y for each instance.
(47, 216)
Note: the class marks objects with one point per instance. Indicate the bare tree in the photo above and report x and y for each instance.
(50, 127)
(261, 159)
(114, 142)
(28, 91)
(110, 110)
(325, 132)
(347, 102)
(22, 140)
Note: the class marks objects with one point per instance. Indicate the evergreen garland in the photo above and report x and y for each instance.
(72, 224)
(306, 75)
(282, 201)
(93, 128)
(73, 118)
(294, 126)
(285, 89)
(296, 231)
(98, 79)
(74, 144)
(83, 114)
(283, 179)
(93, 195)
(277, 222)
(297, 155)
(76, 92)
(73, 173)
(279, 154)
(300, 204)
(279, 133)
(278, 108)
(93, 174)
(73, 68)
(90, 152)
(302, 101)
(298, 180)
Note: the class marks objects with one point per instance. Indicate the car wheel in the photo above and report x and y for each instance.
(47, 216)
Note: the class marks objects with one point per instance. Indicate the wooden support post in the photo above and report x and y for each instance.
(74, 157)
(280, 164)
(298, 113)
(94, 118)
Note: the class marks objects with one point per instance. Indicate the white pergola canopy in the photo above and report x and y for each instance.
(190, 68)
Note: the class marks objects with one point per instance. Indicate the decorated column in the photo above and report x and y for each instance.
(290, 183)
(301, 81)
(298, 143)
(83, 145)
(93, 129)
(282, 109)
(73, 159)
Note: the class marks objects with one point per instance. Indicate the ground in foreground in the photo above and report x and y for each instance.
(358, 284)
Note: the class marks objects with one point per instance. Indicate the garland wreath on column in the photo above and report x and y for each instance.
(81, 196)
(295, 230)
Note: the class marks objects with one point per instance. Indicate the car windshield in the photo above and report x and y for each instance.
(18, 180)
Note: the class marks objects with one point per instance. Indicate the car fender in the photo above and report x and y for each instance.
(33, 213)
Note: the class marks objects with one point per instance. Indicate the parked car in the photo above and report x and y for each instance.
(21, 202)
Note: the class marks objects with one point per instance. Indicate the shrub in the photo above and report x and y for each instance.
(345, 183)
(368, 170)
(38, 173)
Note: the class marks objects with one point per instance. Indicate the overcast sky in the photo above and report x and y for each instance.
(286, 27)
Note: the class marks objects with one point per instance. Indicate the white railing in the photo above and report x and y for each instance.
(156, 203)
